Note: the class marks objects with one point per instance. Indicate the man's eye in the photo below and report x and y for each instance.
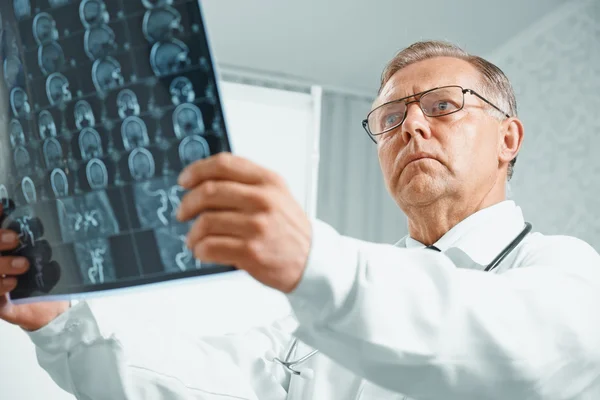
(443, 106)
(390, 120)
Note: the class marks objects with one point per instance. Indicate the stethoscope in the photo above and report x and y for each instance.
(307, 373)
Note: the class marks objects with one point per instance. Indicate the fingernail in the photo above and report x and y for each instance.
(9, 237)
(20, 263)
(184, 177)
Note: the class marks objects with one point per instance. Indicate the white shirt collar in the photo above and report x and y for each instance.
(482, 236)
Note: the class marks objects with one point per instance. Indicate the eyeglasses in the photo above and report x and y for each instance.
(435, 102)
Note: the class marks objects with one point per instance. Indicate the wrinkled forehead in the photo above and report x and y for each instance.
(428, 74)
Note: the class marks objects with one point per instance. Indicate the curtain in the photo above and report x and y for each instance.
(351, 195)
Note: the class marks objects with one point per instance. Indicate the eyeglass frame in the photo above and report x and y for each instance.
(365, 122)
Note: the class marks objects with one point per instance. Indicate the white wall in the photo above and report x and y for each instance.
(555, 70)
(275, 128)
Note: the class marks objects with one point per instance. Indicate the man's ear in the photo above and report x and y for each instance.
(512, 132)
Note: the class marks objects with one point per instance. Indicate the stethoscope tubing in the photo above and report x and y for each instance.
(290, 364)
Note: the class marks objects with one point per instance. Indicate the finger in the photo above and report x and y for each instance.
(7, 284)
(222, 250)
(8, 239)
(221, 195)
(10, 265)
(223, 166)
(225, 223)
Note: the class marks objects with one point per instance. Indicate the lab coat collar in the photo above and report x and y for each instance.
(478, 239)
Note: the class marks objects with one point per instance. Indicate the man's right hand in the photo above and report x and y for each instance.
(30, 317)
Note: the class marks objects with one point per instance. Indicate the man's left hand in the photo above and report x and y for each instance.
(246, 217)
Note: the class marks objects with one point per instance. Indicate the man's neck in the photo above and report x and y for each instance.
(429, 223)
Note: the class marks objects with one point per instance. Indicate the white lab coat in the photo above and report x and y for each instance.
(390, 321)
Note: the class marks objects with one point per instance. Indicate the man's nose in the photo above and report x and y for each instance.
(415, 123)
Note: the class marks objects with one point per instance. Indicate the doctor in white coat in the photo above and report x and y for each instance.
(388, 321)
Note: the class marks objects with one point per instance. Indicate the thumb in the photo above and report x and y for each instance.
(7, 310)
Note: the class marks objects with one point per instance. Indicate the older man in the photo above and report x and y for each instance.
(496, 312)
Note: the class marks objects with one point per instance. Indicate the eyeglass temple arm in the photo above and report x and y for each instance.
(487, 101)
(365, 125)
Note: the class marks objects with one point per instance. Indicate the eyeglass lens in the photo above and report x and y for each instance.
(434, 103)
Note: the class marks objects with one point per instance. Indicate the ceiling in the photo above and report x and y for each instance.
(345, 43)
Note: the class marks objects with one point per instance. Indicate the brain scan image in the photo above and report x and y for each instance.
(96, 174)
(12, 69)
(182, 91)
(46, 125)
(151, 4)
(17, 135)
(51, 58)
(157, 201)
(108, 100)
(106, 74)
(58, 3)
(174, 253)
(193, 148)
(59, 183)
(22, 8)
(161, 24)
(57, 89)
(93, 13)
(87, 216)
(53, 153)
(99, 41)
(141, 164)
(90, 144)
(127, 104)
(19, 102)
(28, 190)
(84, 115)
(95, 260)
(44, 28)
(188, 121)
(170, 57)
(22, 159)
(134, 133)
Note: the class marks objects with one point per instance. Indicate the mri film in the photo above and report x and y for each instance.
(17, 135)
(152, 4)
(46, 125)
(161, 24)
(22, 8)
(13, 69)
(93, 13)
(187, 120)
(182, 91)
(106, 102)
(169, 57)
(50, 58)
(84, 115)
(59, 183)
(19, 102)
(127, 103)
(90, 144)
(58, 89)
(44, 28)
(106, 73)
(99, 41)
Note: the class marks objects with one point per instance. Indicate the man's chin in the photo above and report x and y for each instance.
(420, 190)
